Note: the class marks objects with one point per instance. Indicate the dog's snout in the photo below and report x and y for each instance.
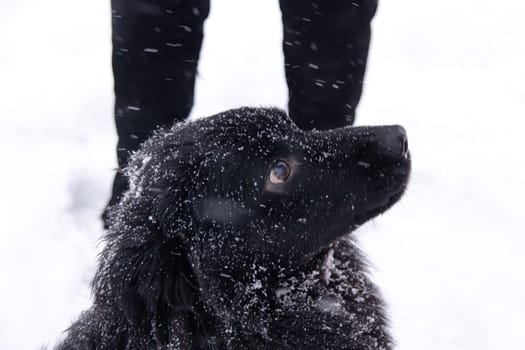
(393, 140)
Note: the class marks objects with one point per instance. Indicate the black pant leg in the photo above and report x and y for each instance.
(156, 46)
(325, 48)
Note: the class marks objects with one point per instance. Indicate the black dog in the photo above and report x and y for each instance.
(235, 235)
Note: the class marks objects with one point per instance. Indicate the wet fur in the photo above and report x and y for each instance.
(203, 254)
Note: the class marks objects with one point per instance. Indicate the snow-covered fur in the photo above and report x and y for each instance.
(207, 250)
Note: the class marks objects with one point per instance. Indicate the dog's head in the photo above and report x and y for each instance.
(248, 188)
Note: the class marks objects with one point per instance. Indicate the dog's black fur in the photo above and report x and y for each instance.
(206, 252)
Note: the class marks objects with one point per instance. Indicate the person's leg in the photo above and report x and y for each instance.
(156, 46)
(325, 48)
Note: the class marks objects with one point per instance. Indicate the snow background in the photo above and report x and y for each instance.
(449, 258)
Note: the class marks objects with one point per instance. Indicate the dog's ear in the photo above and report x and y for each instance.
(158, 282)
(144, 272)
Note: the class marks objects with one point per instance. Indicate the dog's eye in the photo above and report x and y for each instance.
(279, 172)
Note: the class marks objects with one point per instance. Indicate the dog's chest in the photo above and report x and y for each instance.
(339, 290)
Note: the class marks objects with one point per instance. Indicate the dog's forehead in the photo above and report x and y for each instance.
(249, 125)
(257, 119)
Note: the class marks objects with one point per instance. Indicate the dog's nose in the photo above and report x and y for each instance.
(393, 140)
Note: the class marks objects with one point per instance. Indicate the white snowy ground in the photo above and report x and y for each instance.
(449, 258)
